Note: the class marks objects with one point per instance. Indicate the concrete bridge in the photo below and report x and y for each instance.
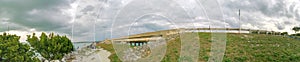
(143, 38)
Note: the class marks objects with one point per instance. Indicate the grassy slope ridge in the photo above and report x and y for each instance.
(239, 47)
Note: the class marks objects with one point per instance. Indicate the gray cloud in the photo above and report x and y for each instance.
(43, 15)
(56, 15)
(263, 13)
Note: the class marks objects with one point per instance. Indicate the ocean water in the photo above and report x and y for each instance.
(80, 45)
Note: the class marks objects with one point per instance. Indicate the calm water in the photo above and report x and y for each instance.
(80, 45)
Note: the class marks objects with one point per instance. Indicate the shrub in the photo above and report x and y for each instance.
(52, 47)
(11, 50)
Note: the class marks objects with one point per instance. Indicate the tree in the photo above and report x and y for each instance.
(51, 47)
(11, 50)
(296, 29)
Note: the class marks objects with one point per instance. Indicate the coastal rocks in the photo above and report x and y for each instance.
(136, 53)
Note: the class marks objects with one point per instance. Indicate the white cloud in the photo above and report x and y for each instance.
(23, 34)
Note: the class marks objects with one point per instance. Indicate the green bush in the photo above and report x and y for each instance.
(51, 47)
(11, 50)
(298, 34)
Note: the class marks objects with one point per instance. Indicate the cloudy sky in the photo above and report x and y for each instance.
(84, 20)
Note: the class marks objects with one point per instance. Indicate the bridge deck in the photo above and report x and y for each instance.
(139, 39)
(144, 37)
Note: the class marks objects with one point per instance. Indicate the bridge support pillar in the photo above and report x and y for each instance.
(137, 43)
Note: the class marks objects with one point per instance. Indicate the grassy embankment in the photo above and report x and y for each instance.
(239, 48)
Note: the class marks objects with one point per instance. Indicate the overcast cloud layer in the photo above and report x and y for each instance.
(136, 16)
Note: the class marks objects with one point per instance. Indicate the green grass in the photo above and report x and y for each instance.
(239, 48)
(109, 47)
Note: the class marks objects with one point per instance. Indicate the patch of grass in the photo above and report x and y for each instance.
(226, 60)
(173, 51)
(239, 48)
(109, 47)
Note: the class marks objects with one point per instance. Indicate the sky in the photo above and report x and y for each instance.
(87, 20)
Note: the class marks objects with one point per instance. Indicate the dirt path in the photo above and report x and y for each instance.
(92, 55)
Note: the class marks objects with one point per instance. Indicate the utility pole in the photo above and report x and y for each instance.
(239, 21)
